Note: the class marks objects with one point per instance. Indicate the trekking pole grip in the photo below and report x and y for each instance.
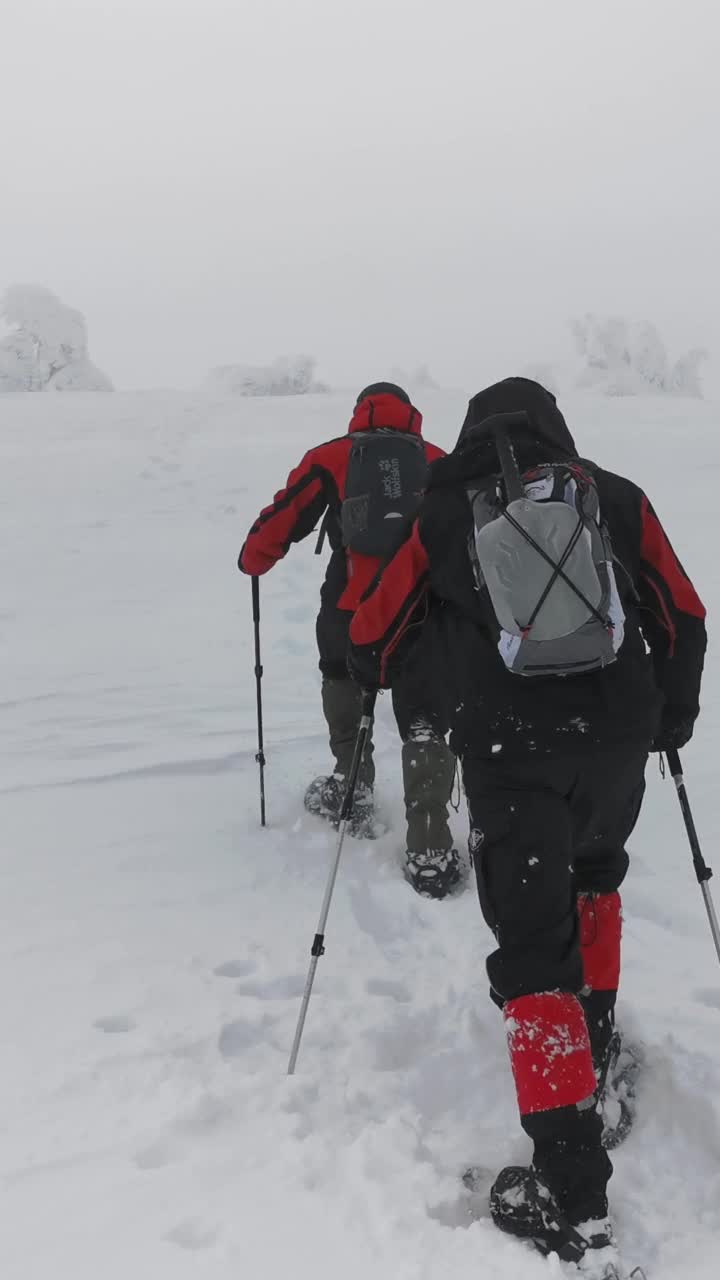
(260, 754)
(702, 870)
(369, 698)
(255, 581)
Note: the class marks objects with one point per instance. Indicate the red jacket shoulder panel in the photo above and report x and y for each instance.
(656, 551)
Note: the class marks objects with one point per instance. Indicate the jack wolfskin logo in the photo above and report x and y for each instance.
(390, 476)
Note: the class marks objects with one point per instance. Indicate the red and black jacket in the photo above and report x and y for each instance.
(429, 586)
(317, 485)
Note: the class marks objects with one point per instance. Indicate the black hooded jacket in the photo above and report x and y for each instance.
(430, 584)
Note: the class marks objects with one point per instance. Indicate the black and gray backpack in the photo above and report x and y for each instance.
(386, 478)
(542, 557)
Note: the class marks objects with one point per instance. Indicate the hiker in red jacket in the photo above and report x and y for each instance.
(365, 486)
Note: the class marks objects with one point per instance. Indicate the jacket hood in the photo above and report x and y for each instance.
(519, 395)
(541, 434)
(387, 410)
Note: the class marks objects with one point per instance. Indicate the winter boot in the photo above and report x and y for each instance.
(560, 1202)
(600, 916)
(342, 705)
(522, 1205)
(432, 864)
(324, 797)
(617, 1069)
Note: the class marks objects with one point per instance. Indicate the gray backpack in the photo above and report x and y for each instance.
(543, 559)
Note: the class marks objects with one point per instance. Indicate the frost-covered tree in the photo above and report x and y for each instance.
(418, 379)
(286, 376)
(46, 348)
(629, 359)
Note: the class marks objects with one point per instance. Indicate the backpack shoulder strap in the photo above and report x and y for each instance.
(322, 535)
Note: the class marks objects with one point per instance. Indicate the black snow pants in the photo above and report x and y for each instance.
(542, 832)
(548, 845)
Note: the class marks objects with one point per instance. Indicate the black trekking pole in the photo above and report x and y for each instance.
(702, 870)
(260, 754)
(318, 946)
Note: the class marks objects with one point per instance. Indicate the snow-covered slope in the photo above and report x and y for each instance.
(155, 942)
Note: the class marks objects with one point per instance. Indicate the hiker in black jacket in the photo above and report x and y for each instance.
(553, 765)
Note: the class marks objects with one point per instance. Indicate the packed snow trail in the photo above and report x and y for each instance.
(155, 941)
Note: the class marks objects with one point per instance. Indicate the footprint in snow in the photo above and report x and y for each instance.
(157, 1156)
(114, 1024)
(469, 1206)
(193, 1235)
(386, 987)
(401, 1044)
(241, 1035)
(287, 988)
(208, 1116)
(371, 914)
(709, 996)
(234, 969)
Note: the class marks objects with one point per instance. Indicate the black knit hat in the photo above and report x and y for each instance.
(383, 389)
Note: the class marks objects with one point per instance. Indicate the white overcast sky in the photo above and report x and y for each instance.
(376, 182)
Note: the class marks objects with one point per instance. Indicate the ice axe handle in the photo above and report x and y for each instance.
(502, 422)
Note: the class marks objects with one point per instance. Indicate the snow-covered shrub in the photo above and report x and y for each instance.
(419, 379)
(630, 359)
(46, 348)
(286, 376)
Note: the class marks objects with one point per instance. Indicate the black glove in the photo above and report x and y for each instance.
(676, 729)
(359, 676)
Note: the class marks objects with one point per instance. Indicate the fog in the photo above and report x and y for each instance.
(379, 183)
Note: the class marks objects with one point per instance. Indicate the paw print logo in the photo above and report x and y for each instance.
(476, 839)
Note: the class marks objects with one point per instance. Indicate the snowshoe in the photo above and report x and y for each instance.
(433, 874)
(522, 1206)
(324, 798)
(617, 1079)
(361, 823)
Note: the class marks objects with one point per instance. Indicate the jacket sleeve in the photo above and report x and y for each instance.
(291, 516)
(673, 618)
(390, 615)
